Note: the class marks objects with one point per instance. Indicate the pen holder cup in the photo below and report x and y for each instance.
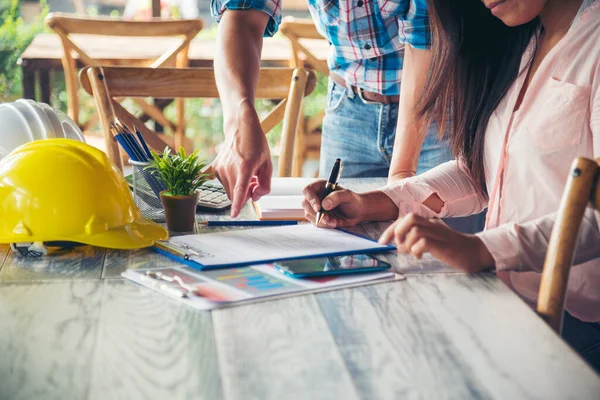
(146, 191)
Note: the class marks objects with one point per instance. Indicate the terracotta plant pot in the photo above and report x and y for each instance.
(180, 211)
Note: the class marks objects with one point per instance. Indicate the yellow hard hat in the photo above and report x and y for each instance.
(64, 190)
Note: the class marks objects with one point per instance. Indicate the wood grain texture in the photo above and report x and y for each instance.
(273, 83)
(46, 50)
(84, 262)
(108, 26)
(559, 257)
(394, 348)
(451, 336)
(4, 250)
(290, 121)
(279, 350)
(117, 261)
(510, 348)
(151, 347)
(47, 338)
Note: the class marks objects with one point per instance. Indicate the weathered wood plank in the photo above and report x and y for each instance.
(279, 350)
(4, 250)
(512, 351)
(84, 262)
(47, 334)
(450, 336)
(151, 347)
(117, 261)
(394, 348)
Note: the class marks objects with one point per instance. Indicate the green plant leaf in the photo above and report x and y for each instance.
(179, 172)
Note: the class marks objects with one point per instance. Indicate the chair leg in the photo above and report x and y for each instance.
(299, 148)
(290, 122)
(559, 257)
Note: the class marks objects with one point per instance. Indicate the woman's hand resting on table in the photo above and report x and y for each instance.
(345, 207)
(418, 235)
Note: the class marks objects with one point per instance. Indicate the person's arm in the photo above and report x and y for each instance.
(410, 130)
(444, 191)
(243, 165)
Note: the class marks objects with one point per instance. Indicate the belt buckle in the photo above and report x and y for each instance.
(360, 95)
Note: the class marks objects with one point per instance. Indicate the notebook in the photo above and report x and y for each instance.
(284, 201)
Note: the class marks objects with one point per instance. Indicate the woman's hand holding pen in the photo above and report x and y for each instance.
(346, 208)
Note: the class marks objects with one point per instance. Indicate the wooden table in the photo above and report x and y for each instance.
(70, 327)
(44, 55)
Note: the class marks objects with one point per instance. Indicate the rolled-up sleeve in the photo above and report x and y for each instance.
(270, 7)
(414, 26)
(449, 181)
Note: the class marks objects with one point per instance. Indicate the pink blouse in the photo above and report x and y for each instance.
(527, 159)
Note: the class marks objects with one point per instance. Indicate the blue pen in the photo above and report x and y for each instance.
(136, 148)
(126, 147)
(248, 223)
(144, 145)
(131, 141)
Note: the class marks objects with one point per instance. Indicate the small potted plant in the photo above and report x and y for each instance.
(181, 175)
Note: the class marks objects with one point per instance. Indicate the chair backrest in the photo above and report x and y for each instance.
(108, 83)
(66, 25)
(296, 30)
(581, 190)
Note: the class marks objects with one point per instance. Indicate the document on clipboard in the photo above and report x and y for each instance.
(264, 245)
(219, 288)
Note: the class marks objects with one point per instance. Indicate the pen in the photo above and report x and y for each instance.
(248, 223)
(331, 185)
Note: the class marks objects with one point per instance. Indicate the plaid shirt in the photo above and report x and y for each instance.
(367, 36)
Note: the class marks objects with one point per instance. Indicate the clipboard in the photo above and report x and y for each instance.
(265, 245)
(180, 283)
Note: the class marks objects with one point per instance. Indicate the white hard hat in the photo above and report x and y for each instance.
(25, 120)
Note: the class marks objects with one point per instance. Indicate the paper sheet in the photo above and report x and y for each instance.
(285, 199)
(281, 207)
(253, 246)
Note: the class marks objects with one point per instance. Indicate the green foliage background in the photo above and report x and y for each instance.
(15, 36)
(204, 116)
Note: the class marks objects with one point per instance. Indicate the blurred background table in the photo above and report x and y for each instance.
(44, 55)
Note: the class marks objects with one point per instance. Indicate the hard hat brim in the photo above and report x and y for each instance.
(139, 234)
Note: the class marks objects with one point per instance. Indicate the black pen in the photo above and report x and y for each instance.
(332, 182)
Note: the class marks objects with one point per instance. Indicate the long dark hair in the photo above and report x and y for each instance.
(475, 60)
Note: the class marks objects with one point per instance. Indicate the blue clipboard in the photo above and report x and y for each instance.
(180, 256)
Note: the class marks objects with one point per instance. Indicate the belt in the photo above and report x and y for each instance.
(365, 96)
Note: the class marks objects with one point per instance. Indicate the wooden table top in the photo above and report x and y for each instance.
(71, 327)
(46, 50)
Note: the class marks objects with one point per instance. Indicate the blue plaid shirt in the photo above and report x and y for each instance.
(367, 36)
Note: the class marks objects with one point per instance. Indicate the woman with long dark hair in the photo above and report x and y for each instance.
(520, 81)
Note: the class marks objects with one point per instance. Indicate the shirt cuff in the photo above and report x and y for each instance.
(504, 246)
(414, 27)
(409, 196)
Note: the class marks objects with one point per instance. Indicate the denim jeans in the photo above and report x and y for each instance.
(362, 135)
(584, 338)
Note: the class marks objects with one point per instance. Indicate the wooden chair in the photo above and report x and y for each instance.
(108, 83)
(582, 189)
(66, 25)
(308, 139)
